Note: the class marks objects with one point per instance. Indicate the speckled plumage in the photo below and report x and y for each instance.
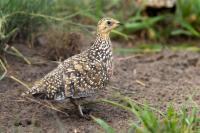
(82, 75)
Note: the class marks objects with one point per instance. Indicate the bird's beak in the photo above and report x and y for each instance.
(118, 23)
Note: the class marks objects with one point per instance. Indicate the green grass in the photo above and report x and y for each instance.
(21, 19)
(156, 47)
(21, 16)
(151, 120)
(24, 17)
(186, 18)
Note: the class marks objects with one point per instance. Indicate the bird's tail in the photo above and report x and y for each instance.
(31, 91)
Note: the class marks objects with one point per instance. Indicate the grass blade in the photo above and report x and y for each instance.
(104, 125)
(5, 70)
(21, 55)
(19, 81)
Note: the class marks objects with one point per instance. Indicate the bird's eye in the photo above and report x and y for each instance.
(108, 22)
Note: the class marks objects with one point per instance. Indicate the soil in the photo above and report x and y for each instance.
(159, 79)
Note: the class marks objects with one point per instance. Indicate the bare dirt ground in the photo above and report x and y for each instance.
(159, 79)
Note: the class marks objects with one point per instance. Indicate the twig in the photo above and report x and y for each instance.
(18, 100)
(128, 57)
(140, 82)
(5, 70)
(19, 81)
(34, 15)
(50, 107)
(21, 55)
(4, 38)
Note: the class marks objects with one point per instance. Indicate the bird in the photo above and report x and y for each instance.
(82, 75)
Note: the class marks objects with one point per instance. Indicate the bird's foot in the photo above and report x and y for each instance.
(84, 113)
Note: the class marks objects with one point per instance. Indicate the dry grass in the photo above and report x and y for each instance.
(60, 45)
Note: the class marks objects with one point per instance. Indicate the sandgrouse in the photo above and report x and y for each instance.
(81, 75)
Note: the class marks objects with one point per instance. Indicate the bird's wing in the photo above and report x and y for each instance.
(81, 77)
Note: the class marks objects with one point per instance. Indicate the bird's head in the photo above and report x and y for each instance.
(106, 25)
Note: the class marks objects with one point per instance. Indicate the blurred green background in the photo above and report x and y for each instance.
(27, 17)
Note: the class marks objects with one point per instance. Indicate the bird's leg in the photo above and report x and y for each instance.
(79, 107)
(80, 110)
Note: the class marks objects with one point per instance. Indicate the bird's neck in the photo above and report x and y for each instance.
(102, 41)
(101, 48)
(103, 35)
